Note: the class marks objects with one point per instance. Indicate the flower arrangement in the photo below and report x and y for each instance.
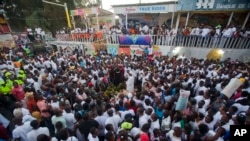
(113, 90)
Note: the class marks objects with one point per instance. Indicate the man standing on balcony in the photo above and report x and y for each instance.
(218, 31)
(145, 29)
(195, 31)
(205, 31)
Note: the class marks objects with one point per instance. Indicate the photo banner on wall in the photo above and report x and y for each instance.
(134, 40)
(112, 49)
(137, 50)
(124, 50)
(91, 49)
(157, 51)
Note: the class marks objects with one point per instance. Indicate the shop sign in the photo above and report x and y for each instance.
(191, 5)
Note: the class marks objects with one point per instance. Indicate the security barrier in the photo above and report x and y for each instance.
(183, 41)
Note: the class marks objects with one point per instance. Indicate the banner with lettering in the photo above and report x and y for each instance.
(134, 40)
(136, 50)
(112, 49)
(163, 8)
(182, 100)
(63, 37)
(190, 5)
(124, 50)
(231, 87)
(77, 12)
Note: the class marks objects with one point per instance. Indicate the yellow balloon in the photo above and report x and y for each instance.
(242, 80)
(214, 54)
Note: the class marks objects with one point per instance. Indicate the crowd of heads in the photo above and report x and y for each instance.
(103, 97)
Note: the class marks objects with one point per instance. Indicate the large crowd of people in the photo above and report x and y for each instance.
(105, 98)
(202, 30)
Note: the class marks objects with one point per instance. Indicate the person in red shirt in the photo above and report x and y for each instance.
(18, 92)
(30, 102)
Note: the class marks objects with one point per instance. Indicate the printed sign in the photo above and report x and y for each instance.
(182, 100)
(77, 12)
(189, 5)
(124, 50)
(231, 87)
(136, 50)
(142, 9)
(88, 11)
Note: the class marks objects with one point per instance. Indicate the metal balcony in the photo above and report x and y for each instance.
(161, 40)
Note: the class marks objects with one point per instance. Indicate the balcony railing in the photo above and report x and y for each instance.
(185, 41)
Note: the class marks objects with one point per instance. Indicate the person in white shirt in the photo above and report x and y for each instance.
(201, 108)
(201, 87)
(21, 130)
(209, 134)
(36, 85)
(205, 31)
(69, 117)
(101, 119)
(19, 109)
(174, 134)
(166, 122)
(195, 31)
(145, 29)
(130, 82)
(64, 135)
(218, 31)
(93, 134)
(127, 111)
(226, 32)
(142, 117)
(36, 131)
(113, 119)
(155, 124)
(47, 64)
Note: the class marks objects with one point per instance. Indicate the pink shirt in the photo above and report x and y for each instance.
(18, 92)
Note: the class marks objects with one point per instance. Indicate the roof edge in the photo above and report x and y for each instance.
(144, 4)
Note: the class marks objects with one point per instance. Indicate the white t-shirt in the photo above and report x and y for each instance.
(143, 120)
(101, 120)
(212, 133)
(70, 120)
(170, 134)
(154, 125)
(124, 113)
(32, 135)
(22, 131)
(135, 131)
(72, 138)
(91, 138)
(114, 120)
